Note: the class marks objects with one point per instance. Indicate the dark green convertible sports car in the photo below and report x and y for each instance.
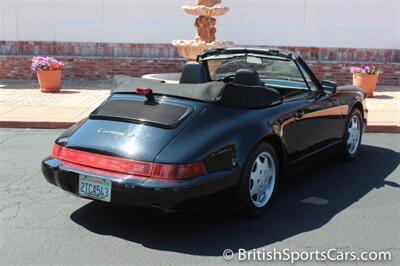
(237, 122)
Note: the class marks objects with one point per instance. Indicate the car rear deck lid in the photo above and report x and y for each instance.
(160, 114)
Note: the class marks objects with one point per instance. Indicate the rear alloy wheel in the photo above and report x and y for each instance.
(353, 135)
(262, 179)
(258, 182)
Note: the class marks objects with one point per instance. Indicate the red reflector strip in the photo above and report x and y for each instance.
(102, 172)
(102, 161)
(120, 165)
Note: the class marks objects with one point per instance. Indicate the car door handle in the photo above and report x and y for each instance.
(298, 114)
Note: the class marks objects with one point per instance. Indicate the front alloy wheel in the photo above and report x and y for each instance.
(352, 136)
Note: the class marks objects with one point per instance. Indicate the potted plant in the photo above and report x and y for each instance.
(366, 78)
(48, 72)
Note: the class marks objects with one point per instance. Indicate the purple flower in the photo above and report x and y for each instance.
(367, 70)
(45, 63)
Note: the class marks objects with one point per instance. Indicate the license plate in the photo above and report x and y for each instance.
(95, 187)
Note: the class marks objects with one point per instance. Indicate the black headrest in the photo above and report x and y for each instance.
(193, 73)
(245, 96)
(247, 77)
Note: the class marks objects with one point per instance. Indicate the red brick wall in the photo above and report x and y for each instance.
(339, 72)
(103, 60)
(88, 49)
(90, 68)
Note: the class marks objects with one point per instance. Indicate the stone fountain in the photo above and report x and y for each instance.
(206, 11)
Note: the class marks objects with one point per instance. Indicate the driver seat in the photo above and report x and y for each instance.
(247, 77)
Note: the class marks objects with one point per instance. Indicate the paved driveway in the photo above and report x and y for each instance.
(349, 206)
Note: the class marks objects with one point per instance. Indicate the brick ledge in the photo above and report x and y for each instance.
(167, 50)
(63, 125)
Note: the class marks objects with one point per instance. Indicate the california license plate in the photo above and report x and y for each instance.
(95, 187)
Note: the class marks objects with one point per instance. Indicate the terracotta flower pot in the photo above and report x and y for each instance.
(366, 82)
(49, 80)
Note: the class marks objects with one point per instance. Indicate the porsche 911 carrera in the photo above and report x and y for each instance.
(237, 122)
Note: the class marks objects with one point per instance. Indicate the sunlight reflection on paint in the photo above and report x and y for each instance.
(131, 146)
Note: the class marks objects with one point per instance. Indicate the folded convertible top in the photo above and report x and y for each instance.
(230, 95)
(207, 92)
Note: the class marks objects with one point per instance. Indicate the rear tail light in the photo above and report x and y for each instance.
(57, 151)
(173, 171)
(120, 165)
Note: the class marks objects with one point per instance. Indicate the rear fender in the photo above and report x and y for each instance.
(221, 141)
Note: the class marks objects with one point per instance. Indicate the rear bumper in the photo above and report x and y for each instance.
(166, 195)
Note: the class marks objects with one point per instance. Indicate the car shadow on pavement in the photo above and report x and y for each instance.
(68, 92)
(305, 202)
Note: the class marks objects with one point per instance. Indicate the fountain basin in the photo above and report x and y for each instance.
(205, 10)
(171, 78)
(190, 49)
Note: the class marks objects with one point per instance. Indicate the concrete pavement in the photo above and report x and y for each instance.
(384, 110)
(22, 105)
(347, 206)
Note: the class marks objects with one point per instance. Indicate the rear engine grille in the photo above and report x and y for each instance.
(165, 115)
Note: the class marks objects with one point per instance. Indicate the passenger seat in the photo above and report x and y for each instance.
(193, 72)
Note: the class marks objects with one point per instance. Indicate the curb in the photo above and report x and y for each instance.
(63, 125)
(35, 124)
(383, 129)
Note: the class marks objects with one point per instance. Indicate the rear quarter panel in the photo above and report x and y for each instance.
(221, 130)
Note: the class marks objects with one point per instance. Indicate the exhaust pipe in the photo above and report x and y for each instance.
(161, 210)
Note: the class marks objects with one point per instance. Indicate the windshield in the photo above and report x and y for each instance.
(274, 71)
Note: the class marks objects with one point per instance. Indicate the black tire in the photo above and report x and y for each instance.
(243, 203)
(345, 152)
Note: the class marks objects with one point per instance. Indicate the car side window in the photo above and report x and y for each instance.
(285, 76)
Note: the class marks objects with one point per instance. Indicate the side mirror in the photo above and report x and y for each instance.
(329, 86)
